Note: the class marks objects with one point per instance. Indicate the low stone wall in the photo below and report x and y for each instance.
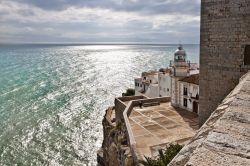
(225, 137)
(142, 101)
(119, 108)
(120, 105)
(129, 98)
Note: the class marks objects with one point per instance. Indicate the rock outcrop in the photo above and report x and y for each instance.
(114, 150)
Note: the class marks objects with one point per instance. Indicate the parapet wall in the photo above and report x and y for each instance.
(224, 139)
(120, 106)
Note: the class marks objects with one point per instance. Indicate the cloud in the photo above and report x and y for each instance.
(95, 20)
(149, 6)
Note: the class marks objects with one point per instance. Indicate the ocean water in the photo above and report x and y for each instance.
(53, 97)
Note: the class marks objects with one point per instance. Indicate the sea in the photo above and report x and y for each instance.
(53, 96)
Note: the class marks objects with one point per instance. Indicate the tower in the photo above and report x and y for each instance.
(224, 50)
(180, 69)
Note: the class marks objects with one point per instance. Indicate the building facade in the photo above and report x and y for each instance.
(147, 84)
(190, 93)
(164, 79)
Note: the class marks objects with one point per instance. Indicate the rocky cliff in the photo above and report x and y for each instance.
(114, 150)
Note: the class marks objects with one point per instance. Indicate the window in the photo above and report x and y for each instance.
(247, 55)
(185, 102)
(167, 89)
(185, 91)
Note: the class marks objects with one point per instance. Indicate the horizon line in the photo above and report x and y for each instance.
(95, 43)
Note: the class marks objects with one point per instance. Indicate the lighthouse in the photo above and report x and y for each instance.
(179, 69)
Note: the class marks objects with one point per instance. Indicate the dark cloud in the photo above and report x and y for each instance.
(144, 6)
(63, 4)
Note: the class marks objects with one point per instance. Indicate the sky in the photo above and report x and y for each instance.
(98, 21)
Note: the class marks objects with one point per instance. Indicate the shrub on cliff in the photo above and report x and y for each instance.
(129, 92)
(164, 157)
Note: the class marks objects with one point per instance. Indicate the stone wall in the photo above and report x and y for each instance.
(120, 105)
(224, 139)
(225, 30)
(129, 98)
(119, 108)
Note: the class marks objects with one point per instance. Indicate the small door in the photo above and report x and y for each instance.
(195, 107)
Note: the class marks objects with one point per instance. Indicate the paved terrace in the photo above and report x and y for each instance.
(155, 126)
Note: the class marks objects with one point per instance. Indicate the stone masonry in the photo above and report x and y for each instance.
(225, 31)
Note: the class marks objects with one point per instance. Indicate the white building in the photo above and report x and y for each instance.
(190, 93)
(153, 91)
(164, 81)
(147, 84)
(139, 87)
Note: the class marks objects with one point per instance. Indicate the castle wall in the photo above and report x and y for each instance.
(225, 31)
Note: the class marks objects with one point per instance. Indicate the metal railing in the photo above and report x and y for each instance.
(179, 64)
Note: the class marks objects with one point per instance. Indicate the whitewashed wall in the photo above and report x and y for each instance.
(164, 85)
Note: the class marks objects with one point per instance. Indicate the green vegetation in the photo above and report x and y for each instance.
(129, 92)
(164, 157)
